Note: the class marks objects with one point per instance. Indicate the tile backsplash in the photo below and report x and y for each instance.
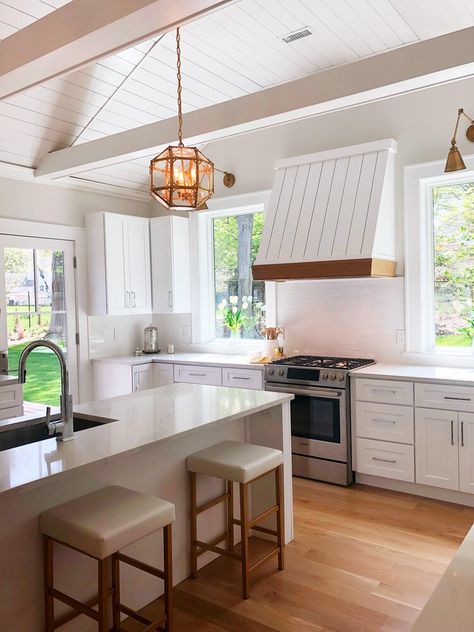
(347, 317)
(115, 335)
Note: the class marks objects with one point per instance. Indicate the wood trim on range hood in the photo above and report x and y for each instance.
(331, 215)
(341, 269)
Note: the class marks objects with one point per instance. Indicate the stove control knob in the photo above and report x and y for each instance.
(340, 377)
(324, 376)
(281, 372)
(333, 376)
(271, 371)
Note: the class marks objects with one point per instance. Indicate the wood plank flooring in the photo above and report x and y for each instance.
(363, 560)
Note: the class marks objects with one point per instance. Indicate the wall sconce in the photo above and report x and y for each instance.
(454, 161)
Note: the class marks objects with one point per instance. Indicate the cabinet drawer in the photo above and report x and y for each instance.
(243, 378)
(445, 397)
(198, 374)
(384, 391)
(11, 395)
(390, 460)
(385, 422)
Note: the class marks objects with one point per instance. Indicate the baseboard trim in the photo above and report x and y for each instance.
(425, 491)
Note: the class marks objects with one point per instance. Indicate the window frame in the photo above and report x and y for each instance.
(203, 287)
(419, 181)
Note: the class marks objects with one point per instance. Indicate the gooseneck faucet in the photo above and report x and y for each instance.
(64, 427)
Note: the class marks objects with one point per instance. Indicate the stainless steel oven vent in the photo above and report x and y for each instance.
(296, 35)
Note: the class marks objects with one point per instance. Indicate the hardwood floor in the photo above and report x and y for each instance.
(363, 560)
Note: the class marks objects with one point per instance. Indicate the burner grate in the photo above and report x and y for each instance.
(325, 362)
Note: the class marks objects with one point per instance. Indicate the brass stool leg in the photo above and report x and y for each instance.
(168, 571)
(48, 584)
(280, 516)
(103, 571)
(230, 515)
(116, 593)
(244, 518)
(193, 510)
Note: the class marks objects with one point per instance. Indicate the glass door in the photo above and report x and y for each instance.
(37, 300)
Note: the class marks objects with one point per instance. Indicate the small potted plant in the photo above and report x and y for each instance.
(233, 315)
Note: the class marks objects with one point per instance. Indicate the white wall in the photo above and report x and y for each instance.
(21, 199)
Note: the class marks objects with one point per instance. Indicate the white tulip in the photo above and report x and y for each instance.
(245, 305)
(233, 300)
(249, 299)
(234, 310)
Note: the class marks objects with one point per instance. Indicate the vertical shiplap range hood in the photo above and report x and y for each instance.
(331, 215)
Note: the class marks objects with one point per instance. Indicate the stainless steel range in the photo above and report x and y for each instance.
(320, 413)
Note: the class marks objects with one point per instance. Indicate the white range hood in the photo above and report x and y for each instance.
(331, 215)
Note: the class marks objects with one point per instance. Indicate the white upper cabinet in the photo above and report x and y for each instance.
(170, 265)
(119, 264)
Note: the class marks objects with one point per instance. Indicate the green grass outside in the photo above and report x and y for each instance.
(456, 340)
(43, 381)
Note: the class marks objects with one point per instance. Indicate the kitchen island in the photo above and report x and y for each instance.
(142, 444)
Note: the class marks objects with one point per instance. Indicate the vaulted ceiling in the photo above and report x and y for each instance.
(227, 54)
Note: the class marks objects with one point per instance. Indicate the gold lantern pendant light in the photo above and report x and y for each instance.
(181, 177)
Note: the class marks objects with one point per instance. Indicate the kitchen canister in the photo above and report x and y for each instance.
(151, 339)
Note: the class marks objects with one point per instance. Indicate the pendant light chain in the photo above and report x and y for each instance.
(180, 113)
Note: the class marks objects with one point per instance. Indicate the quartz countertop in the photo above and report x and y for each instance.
(451, 606)
(460, 376)
(136, 421)
(200, 359)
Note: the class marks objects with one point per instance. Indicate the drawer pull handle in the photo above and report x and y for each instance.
(384, 390)
(458, 399)
(376, 458)
(197, 374)
(235, 377)
(384, 421)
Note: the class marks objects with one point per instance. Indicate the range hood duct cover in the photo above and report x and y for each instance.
(331, 215)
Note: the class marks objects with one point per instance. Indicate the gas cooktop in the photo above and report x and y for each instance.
(325, 362)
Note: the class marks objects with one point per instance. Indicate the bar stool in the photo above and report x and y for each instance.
(99, 525)
(241, 463)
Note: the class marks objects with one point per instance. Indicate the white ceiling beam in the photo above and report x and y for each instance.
(405, 69)
(83, 31)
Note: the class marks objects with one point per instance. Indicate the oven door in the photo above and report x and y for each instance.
(318, 421)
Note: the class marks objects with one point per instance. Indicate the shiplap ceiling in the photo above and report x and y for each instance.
(227, 54)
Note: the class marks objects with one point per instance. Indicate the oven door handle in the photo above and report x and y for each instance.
(311, 392)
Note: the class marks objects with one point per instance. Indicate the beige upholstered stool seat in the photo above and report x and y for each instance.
(103, 522)
(234, 461)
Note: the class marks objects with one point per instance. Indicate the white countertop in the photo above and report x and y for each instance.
(201, 359)
(451, 605)
(142, 419)
(462, 376)
(8, 379)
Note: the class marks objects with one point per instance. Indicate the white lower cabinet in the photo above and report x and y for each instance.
(437, 451)
(243, 378)
(466, 452)
(163, 374)
(198, 374)
(387, 459)
(142, 377)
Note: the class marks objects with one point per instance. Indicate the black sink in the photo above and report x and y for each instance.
(38, 432)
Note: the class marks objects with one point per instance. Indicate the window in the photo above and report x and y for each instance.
(439, 256)
(239, 300)
(453, 237)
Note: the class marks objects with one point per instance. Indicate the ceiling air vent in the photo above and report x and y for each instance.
(296, 35)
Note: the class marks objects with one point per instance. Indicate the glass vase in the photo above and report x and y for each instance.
(235, 334)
